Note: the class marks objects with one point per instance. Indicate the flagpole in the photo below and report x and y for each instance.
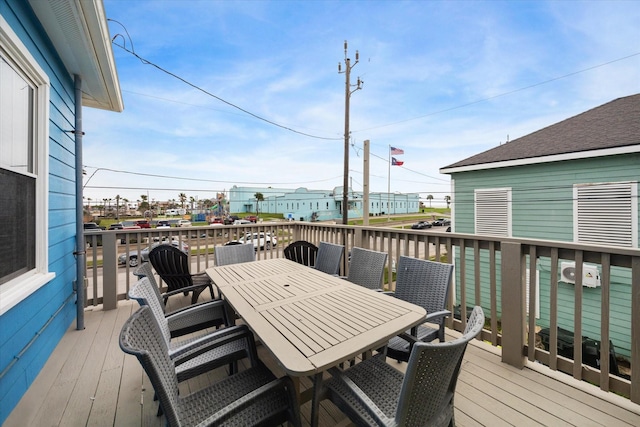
(389, 188)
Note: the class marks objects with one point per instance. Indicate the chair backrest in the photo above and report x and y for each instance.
(430, 380)
(172, 265)
(328, 259)
(234, 254)
(302, 252)
(145, 270)
(424, 283)
(366, 267)
(147, 294)
(141, 337)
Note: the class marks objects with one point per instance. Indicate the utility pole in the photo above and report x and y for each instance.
(347, 95)
(365, 186)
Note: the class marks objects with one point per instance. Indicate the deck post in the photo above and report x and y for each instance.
(513, 304)
(109, 271)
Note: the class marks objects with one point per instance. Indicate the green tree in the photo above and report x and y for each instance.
(430, 198)
(448, 200)
(259, 198)
(183, 199)
(144, 205)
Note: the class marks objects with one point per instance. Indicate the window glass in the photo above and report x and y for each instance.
(17, 179)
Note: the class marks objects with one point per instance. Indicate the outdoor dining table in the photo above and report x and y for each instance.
(311, 321)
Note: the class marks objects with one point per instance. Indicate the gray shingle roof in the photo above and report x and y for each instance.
(612, 125)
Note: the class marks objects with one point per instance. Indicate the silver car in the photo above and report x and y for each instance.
(134, 258)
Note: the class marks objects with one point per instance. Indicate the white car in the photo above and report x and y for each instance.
(183, 223)
(260, 240)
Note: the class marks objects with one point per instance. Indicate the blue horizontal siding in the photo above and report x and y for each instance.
(29, 318)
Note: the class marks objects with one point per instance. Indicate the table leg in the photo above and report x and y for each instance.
(315, 401)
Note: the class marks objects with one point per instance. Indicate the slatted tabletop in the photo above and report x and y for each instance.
(308, 319)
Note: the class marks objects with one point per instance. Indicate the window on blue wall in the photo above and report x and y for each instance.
(24, 100)
(16, 174)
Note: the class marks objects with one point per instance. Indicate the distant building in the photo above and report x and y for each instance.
(302, 204)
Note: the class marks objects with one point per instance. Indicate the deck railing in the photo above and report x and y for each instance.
(493, 272)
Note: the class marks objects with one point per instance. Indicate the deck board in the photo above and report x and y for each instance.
(89, 381)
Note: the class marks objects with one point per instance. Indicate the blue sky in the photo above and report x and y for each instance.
(443, 80)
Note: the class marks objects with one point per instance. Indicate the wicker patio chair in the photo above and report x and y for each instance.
(424, 283)
(183, 321)
(302, 252)
(328, 259)
(172, 265)
(192, 355)
(373, 393)
(251, 397)
(366, 268)
(234, 254)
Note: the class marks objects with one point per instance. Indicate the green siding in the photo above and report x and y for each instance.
(542, 208)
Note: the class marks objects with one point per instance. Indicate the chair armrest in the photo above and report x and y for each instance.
(205, 312)
(284, 384)
(437, 315)
(374, 411)
(214, 340)
(181, 290)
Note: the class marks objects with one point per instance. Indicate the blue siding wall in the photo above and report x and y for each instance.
(45, 315)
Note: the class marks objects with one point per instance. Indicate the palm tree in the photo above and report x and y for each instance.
(430, 198)
(448, 200)
(192, 200)
(117, 207)
(144, 205)
(259, 198)
(183, 198)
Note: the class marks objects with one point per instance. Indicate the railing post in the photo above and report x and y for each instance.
(513, 301)
(109, 272)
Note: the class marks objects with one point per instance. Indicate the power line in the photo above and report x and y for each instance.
(147, 62)
(200, 179)
(501, 94)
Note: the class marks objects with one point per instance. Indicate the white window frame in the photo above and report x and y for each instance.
(495, 218)
(19, 288)
(599, 208)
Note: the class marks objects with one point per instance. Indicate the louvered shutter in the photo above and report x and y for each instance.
(606, 214)
(493, 212)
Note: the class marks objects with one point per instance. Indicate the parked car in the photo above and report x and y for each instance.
(116, 226)
(260, 240)
(241, 222)
(134, 258)
(251, 218)
(421, 225)
(230, 219)
(183, 223)
(143, 223)
(442, 221)
(216, 220)
(92, 226)
(163, 223)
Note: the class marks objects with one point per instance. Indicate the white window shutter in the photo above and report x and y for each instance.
(606, 214)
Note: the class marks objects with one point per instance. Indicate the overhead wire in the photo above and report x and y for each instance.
(444, 180)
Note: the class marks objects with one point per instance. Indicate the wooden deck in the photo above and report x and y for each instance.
(89, 381)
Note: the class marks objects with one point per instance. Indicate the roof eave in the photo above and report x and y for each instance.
(544, 159)
(80, 34)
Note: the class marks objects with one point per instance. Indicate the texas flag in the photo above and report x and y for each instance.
(395, 162)
(396, 151)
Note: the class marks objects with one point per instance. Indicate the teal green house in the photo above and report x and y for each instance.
(573, 181)
(55, 59)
